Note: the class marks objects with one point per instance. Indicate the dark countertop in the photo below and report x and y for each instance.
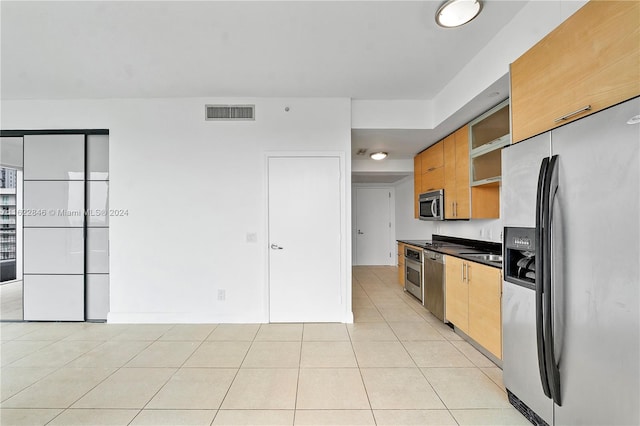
(459, 247)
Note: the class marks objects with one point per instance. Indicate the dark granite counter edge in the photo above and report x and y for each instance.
(465, 245)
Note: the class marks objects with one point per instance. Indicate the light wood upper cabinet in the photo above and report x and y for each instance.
(485, 319)
(462, 173)
(432, 158)
(417, 184)
(449, 176)
(591, 60)
(488, 134)
(456, 175)
(433, 180)
(432, 168)
(457, 293)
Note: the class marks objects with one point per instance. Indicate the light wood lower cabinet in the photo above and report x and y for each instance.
(473, 296)
(485, 318)
(457, 293)
(401, 264)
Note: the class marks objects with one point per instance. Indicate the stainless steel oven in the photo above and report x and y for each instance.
(432, 205)
(413, 272)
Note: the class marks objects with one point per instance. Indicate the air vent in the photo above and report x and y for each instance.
(361, 151)
(230, 112)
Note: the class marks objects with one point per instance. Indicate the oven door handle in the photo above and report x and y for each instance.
(408, 260)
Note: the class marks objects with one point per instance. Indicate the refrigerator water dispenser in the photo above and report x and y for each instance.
(519, 256)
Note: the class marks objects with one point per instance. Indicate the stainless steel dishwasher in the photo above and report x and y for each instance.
(433, 264)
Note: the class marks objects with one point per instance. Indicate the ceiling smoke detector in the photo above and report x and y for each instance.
(379, 155)
(455, 13)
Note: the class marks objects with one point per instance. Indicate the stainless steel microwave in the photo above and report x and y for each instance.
(432, 205)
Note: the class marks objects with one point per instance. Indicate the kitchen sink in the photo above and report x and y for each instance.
(486, 256)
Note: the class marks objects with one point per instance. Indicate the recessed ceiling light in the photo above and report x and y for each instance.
(379, 155)
(455, 13)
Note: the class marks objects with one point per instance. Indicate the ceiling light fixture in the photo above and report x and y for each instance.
(379, 155)
(455, 13)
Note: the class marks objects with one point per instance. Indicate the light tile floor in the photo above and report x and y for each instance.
(396, 365)
(11, 301)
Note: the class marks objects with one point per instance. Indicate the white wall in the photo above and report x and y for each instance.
(388, 165)
(409, 228)
(193, 190)
(392, 114)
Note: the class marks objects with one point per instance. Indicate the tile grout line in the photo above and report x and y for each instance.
(362, 377)
(295, 403)
(108, 376)
(174, 373)
(56, 369)
(420, 370)
(236, 375)
(459, 350)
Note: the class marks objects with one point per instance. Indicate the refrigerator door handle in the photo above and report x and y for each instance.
(551, 188)
(539, 244)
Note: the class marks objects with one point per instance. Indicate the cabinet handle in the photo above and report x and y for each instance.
(431, 169)
(571, 114)
(468, 273)
(463, 277)
(455, 209)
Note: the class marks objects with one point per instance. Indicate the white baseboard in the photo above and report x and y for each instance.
(180, 318)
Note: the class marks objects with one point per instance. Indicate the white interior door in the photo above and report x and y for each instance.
(304, 239)
(373, 226)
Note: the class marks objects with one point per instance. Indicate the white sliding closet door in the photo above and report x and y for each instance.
(54, 228)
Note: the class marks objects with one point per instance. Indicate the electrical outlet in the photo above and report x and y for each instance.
(252, 237)
(222, 294)
(482, 232)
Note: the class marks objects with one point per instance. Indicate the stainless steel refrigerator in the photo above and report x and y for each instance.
(570, 303)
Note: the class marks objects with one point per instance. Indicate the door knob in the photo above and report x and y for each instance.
(360, 232)
(275, 247)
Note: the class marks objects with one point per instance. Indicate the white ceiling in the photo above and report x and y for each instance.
(398, 143)
(359, 49)
(355, 49)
